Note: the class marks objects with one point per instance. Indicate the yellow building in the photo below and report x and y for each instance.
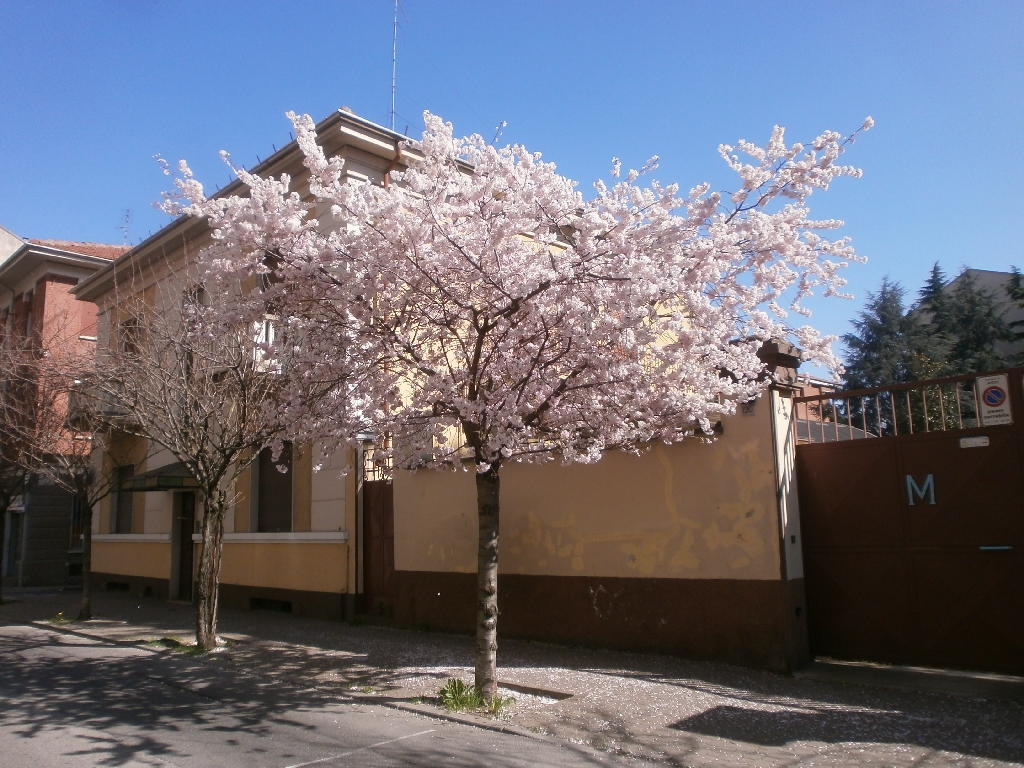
(690, 549)
(289, 536)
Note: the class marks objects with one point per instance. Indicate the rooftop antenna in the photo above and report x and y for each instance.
(126, 225)
(394, 65)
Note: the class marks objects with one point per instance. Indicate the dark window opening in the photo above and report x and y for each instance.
(274, 492)
(14, 543)
(130, 336)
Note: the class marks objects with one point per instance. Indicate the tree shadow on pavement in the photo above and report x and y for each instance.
(104, 690)
(648, 699)
(118, 705)
(771, 710)
(780, 727)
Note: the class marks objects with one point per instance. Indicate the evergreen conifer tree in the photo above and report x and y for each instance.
(1015, 290)
(881, 346)
(953, 329)
(932, 296)
(975, 324)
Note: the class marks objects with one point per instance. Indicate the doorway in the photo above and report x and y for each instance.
(186, 549)
(378, 547)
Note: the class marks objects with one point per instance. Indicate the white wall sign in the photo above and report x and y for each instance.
(994, 400)
(974, 442)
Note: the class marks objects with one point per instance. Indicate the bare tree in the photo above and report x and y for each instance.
(49, 429)
(14, 473)
(204, 391)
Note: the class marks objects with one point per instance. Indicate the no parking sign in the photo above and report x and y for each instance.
(994, 401)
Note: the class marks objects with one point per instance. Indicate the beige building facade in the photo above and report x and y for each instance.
(290, 537)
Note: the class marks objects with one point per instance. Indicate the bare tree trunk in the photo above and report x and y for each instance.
(487, 489)
(209, 570)
(86, 611)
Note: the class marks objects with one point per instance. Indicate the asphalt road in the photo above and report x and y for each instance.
(71, 701)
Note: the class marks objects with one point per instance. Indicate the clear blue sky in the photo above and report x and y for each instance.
(91, 91)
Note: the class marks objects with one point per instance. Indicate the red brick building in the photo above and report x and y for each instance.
(42, 545)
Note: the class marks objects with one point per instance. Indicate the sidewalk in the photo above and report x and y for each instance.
(671, 710)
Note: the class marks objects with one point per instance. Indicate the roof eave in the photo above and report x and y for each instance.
(96, 285)
(15, 268)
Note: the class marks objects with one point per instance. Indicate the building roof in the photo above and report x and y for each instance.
(100, 250)
(61, 253)
(340, 126)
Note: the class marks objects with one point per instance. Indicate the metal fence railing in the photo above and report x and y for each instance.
(378, 464)
(938, 405)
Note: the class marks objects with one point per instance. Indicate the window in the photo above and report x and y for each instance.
(129, 336)
(28, 314)
(122, 522)
(264, 335)
(274, 491)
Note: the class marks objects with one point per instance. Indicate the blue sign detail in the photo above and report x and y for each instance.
(994, 396)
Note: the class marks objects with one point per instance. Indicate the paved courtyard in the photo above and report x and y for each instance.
(627, 707)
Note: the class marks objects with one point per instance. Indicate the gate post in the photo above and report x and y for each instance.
(782, 361)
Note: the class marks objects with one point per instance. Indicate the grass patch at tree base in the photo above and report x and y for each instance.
(459, 696)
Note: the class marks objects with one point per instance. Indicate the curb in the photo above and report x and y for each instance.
(948, 682)
(369, 698)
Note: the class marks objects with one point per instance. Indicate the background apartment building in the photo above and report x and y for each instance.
(43, 533)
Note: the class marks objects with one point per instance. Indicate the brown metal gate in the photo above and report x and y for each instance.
(379, 546)
(912, 517)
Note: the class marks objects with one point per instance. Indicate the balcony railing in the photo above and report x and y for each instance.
(89, 409)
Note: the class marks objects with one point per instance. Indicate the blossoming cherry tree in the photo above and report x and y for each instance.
(478, 309)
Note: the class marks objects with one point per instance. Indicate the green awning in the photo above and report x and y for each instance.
(172, 477)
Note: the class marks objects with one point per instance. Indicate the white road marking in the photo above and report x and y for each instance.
(361, 749)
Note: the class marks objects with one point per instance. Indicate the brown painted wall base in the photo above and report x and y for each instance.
(751, 623)
(140, 586)
(315, 605)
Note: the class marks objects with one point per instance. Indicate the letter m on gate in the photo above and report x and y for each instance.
(913, 489)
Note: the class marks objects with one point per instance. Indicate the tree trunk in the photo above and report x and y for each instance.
(209, 569)
(487, 488)
(86, 611)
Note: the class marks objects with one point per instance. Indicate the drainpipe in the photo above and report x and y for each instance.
(357, 551)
